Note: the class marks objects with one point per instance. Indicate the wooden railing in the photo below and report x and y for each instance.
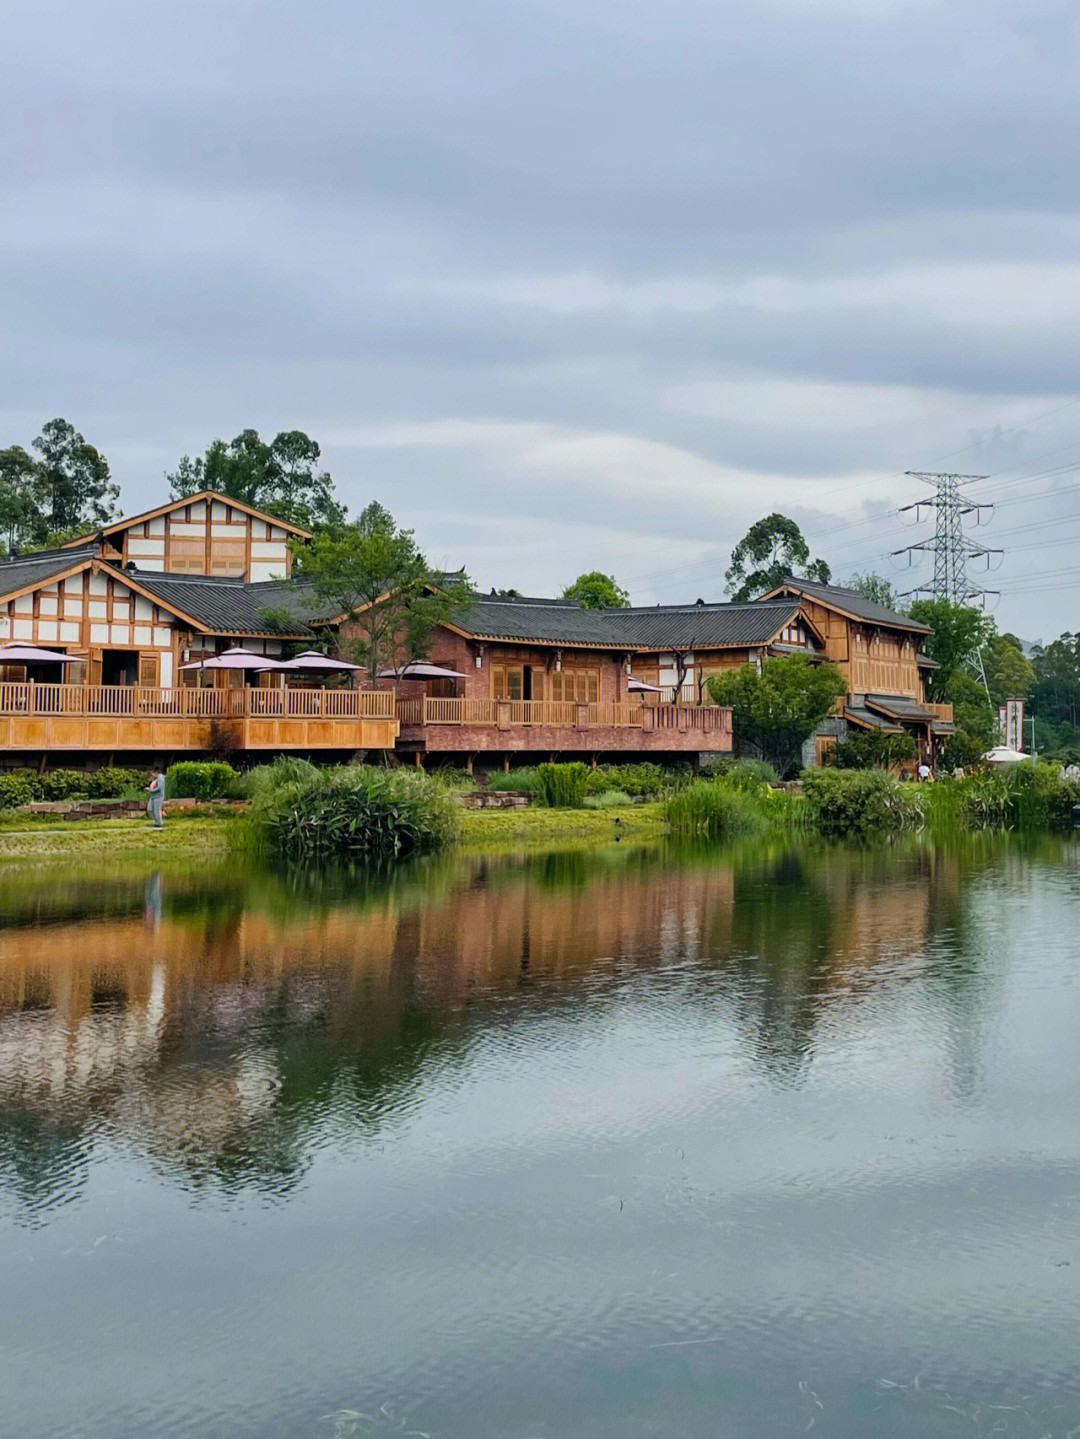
(115, 701)
(942, 712)
(563, 714)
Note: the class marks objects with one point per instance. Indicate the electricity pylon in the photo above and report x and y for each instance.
(950, 546)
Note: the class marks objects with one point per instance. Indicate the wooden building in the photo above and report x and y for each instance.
(202, 534)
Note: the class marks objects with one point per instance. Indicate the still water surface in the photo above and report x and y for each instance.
(666, 1143)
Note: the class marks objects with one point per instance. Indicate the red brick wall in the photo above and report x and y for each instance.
(458, 653)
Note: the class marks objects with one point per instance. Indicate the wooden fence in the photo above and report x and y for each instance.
(564, 714)
(30, 699)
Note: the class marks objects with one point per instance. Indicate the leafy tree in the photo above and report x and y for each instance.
(959, 632)
(21, 521)
(594, 590)
(372, 574)
(1055, 696)
(771, 551)
(877, 589)
(777, 709)
(1009, 672)
(872, 749)
(75, 489)
(281, 478)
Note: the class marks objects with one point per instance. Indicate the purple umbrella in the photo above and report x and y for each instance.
(421, 670)
(16, 654)
(235, 659)
(312, 660)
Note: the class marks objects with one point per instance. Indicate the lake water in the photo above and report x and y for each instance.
(635, 1143)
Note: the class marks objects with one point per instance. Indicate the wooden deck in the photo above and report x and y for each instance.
(468, 726)
(48, 718)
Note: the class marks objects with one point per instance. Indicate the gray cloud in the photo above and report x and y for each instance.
(563, 284)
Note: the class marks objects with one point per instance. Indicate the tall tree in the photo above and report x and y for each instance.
(1009, 672)
(282, 477)
(875, 588)
(771, 551)
(76, 490)
(777, 709)
(959, 632)
(594, 590)
(21, 521)
(373, 574)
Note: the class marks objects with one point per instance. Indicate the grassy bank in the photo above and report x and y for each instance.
(531, 829)
(192, 835)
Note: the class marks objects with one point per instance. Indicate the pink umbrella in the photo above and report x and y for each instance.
(421, 670)
(312, 660)
(17, 654)
(234, 658)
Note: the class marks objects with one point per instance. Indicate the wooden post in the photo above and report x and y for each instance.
(506, 764)
(418, 760)
(468, 764)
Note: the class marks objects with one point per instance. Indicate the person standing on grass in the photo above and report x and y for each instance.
(156, 791)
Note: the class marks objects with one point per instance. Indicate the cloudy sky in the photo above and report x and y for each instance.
(566, 283)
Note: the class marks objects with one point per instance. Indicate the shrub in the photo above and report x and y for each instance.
(750, 775)
(633, 779)
(112, 782)
(859, 802)
(608, 799)
(872, 749)
(451, 778)
(562, 786)
(713, 807)
(15, 789)
(360, 812)
(64, 783)
(199, 779)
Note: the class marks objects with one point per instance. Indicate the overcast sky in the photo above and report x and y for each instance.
(566, 284)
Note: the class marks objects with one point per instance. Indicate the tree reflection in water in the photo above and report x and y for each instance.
(230, 1023)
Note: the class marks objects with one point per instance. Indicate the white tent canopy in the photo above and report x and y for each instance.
(1002, 754)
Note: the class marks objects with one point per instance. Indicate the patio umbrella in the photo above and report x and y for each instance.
(234, 659)
(312, 660)
(643, 687)
(16, 654)
(1002, 754)
(421, 670)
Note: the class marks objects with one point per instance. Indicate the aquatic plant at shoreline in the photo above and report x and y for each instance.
(359, 812)
(562, 786)
(1028, 796)
(716, 809)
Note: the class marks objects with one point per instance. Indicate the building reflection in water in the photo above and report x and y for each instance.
(212, 1021)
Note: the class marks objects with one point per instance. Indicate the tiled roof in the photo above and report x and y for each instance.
(16, 574)
(662, 627)
(227, 606)
(901, 706)
(856, 604)
(863, 716)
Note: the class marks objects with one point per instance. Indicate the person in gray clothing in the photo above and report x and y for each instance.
(156, 791)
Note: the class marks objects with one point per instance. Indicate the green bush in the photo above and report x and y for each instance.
(562, 786)
(452, 778)
(750, 775)
(872, 749)
(608, 799)
(15, 789)
(64, 783)
(358, 811)
(859, 802)
(199, 779)
(644, 778)
(716, 809)
(112, 782)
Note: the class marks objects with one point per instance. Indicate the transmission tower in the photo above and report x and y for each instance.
(950, 546)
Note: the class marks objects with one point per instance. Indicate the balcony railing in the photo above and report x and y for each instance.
(28, 698)
(563, 714)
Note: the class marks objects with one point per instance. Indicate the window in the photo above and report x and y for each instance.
(582, 686)
(149, 670)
